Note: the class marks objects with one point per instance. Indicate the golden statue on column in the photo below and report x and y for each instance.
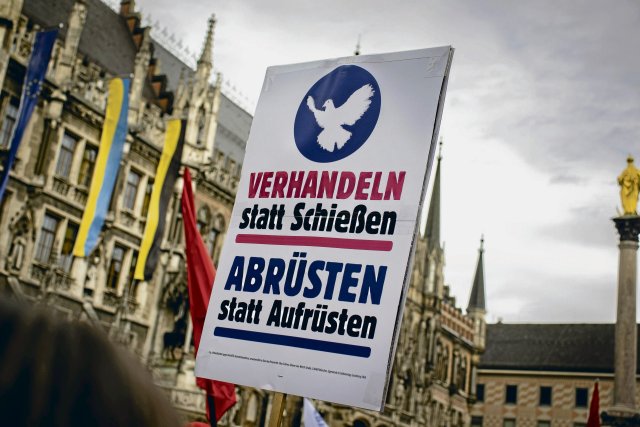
(629, 181)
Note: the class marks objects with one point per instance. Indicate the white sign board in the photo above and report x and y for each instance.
(311, 283)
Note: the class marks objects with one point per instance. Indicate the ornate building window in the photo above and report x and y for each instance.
(545, 396)
(476, 421)
(130, 280)
(442, 362)
(509, 422)
(408, 389)
(115, 267)
(176, 234)
(582, 397)
(360, 423)
(544, 423)
(204, 216)
(461, 372)
(65, 157)
(131, 190)
(511, 394)
(8, 121)
(212, 237)
(213, 234)
(147, 198)
(480, 392)
(87, 166)
(66, 253)
(47, 237)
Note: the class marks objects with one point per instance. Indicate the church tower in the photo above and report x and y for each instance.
(477, 309)
(198, 102)
(433, 379)
(434, 283)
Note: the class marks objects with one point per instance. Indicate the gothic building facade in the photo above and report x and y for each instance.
(433, 378)
(48, 187)
(433, 381)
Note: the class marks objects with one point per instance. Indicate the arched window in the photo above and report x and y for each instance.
(408, 388)
(176, 233)
(360, 423)
(445, 365)
(213, 234)
(203, 219)
(462, 385)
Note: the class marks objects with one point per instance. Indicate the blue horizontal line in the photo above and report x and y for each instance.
(288, 341)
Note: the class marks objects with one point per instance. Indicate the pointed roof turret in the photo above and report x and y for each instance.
(477, 300)
(206, 57)
(432, 232)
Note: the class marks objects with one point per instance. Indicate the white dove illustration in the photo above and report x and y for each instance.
(331, 119)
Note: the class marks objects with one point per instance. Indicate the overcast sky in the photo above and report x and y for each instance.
(542, 108)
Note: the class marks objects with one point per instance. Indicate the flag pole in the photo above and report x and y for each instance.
(277, 409)
(212, 411)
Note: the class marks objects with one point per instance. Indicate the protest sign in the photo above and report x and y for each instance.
(316, 262)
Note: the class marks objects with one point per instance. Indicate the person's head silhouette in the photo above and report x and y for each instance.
(62, 373)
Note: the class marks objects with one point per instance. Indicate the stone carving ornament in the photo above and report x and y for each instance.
(21, 229)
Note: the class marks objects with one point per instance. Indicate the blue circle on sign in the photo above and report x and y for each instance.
(337, 115)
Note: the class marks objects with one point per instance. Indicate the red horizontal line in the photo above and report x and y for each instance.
(324, 242)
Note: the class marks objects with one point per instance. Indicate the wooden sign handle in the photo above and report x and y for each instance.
(277, 409)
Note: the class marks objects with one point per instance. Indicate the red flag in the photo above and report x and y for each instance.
(200, 275)
(594, 409)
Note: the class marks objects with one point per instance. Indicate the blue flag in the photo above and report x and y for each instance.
(31, 86)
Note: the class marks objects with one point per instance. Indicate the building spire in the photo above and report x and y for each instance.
(206, 57)
(477, 298)
(433, 218)
(357, 51)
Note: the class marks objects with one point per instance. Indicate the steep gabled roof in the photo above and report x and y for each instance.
(105, 37)
(550, 347)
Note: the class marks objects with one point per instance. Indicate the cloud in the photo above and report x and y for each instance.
(588, 300)
(541, 111)
(575, 68)
(587, 226)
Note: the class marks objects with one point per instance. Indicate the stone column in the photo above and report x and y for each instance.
(623, 411)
